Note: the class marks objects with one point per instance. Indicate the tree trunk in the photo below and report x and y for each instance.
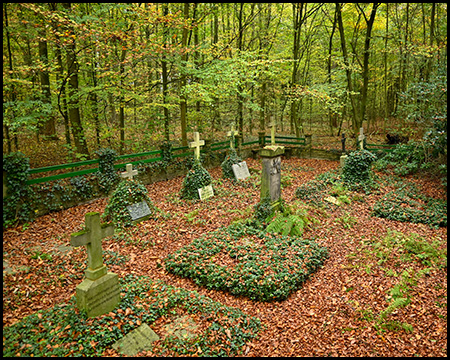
(74, 109)
(48, 128)
(183, 103)
(164, 81)
(240, 98)
(347, 68)
(369, 23)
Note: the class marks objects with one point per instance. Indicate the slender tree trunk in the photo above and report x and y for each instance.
(74, 109)
(164, 81)
(183, 103)
(48, 128)
(348, 70)
(369, 23)
(122, 103)
(240, 98)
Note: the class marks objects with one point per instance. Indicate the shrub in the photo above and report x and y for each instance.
(16, 204)
(196, 178)
(107, 176)
(128, 192)
(356, 172)
(231, 158)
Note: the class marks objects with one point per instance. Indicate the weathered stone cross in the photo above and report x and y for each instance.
(273, 125)
(92, 237)
(361, 138)
(129, 173)
(196, 144)
(232, 134)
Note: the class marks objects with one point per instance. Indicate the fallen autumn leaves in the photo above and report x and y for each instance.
(334, 313)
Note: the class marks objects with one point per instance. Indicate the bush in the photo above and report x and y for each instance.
(128, 192)
(356, 172)
(16, 204)
(231, 158)
(107, 175)
(196, 178)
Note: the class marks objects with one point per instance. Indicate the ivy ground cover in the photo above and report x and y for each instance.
(245, 260)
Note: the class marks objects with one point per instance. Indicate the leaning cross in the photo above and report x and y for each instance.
(92, 237)
(232, 133)
(130, 172)
(361, 138)
(273, 125)
(196, 144)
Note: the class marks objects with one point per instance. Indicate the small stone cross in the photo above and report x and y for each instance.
(232, 133)
(273, 125)
(129, 173)
(361, 138)
(196, 144)
(92, 237)
(343, 142)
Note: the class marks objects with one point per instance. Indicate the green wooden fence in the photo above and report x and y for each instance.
(150, 156)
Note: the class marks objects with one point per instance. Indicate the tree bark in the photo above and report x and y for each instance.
(74, 108)
(183, 100)
(348, 70)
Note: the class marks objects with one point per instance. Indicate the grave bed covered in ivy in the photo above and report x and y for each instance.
(407, 204)
(248, 261)
(65, 331)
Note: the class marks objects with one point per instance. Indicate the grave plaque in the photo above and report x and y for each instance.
(139, 210)
(135, 341)
(206, 192)
(240, 170)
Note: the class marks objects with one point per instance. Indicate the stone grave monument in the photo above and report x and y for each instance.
(271, 170)
(129, 173)
(361, 138)
(206, 192)
(231, 134)
(99, 293)
(240, 170)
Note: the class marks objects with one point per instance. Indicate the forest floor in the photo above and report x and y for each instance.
(337, 311)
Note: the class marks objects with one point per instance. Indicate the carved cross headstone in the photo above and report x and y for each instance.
(232, 134)
(92, 237)
(196, 144)
(99, 293)
(361, 138)
(129, 173)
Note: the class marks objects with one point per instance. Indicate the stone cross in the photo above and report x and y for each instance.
(273, 125)
(129, 173)
(232, 134)
(343, 142)
(92, 237)
(196, 144)
(361, 138)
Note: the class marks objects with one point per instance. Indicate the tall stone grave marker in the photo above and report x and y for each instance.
(271, 170)
(99, 293)
(361, 138)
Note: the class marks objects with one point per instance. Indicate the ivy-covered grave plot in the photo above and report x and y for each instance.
(196, 178)
(246, 260)
(406, 203)
(219, 330)
(128, 194)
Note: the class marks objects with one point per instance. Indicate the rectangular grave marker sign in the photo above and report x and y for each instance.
(206, 192)
(139, 210)
(240, 170)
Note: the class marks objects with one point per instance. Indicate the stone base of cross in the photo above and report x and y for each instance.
(361, 138)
